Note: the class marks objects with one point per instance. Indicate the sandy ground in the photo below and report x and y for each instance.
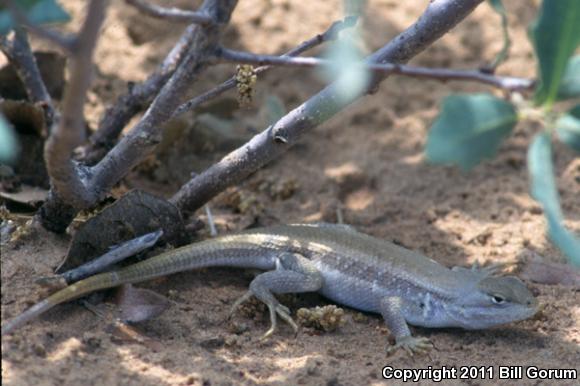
(368, 161)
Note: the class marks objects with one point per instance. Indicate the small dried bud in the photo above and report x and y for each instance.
(245, 81)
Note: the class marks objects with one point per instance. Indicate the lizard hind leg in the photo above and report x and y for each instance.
(293, 273)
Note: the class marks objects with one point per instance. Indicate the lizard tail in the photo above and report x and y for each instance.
(199, 255)
(74, 291)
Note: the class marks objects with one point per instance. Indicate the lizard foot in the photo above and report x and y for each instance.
(411, 345)
(284, 313)
(274, 307)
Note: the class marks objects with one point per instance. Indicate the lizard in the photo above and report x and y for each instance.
(345, 266)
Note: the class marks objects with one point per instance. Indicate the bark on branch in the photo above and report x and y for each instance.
(175, 14)
(55, 214)
(441, 74)
(439, 17)
(137, 98)
(20, 56)
(329, 35)
(65, 178)
(143, 138)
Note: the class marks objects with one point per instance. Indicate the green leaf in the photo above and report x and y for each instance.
(543, 186)
(24, 4)
(555, 35)
(568, 128)
(570, 86)
(347, 66)
(542, 174)
(469, 128)
(497, 5)
(37, 12)
(8, 144)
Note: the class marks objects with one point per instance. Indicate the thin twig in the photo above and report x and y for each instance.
(69, 132)
(205, 97)
(174, 14)
(329, 35)
(22, 59)
(439, 17)
(440, 74)
(138, 97)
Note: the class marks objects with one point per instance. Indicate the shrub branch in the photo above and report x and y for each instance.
(174, 14)
(441, 74)
(68, 133)
(20, 56)
(329, 35)
(439, 17)
(142, 139)
(136, 99)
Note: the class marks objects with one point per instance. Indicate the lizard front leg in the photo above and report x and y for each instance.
(392, 311)
(293, 273)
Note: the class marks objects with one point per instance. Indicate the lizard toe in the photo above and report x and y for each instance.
(272, 307)
(238, 303)
(284, 313)
(268, 333)
(282, 309)
(412, 345)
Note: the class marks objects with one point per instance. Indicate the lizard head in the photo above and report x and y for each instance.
(492, 301)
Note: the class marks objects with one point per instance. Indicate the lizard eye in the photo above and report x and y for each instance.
(497, 299)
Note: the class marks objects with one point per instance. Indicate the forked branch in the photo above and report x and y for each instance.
(56, 213)
(65, 177)
(329, 35)
(439, 17)
(138, 97)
